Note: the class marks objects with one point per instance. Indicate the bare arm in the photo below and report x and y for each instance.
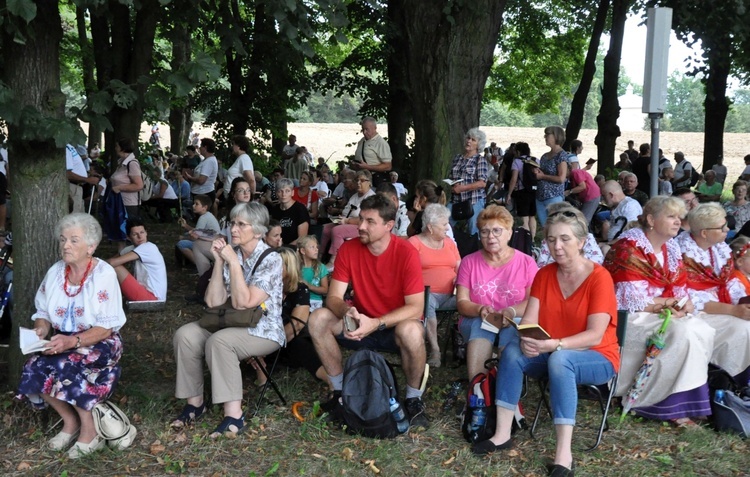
(249, 176)
(123, 259)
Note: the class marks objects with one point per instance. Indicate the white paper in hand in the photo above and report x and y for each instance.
(30, 342)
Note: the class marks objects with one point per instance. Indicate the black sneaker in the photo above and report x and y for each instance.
(195, 298)
(417, 414)
(333, 407)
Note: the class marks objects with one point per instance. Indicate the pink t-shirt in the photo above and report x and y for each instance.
(438, 266)
(499, 287)
(592, 190)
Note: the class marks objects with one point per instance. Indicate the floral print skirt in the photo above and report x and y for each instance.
(81, 377)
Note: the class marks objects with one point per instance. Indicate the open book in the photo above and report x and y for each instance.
(30, 342)
(452, 182)
(530, 330)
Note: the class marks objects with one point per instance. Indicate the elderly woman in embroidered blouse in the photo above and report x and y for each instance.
(471, 168)
(552, 172)
(232, 280)
(80, 301)
(646, 266)
(709, 264)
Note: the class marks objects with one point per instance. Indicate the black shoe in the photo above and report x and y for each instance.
(562, 471)
(417, 414)
(488, 447)
(333, 407)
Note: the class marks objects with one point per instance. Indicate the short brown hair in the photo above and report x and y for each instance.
(498, 213)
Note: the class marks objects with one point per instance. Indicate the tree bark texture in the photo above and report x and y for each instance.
(123, 50)
(398, 114)
(37, 172)
(87, 61)
(180, 120)
(578, 105)
(610, 109)
(449, 60)
(716, 104)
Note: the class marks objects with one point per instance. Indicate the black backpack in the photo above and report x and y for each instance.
(528, 177)
(522, 240)
(694, 176)
(369, 384)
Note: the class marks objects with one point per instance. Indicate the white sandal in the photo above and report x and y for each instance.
(80, 449)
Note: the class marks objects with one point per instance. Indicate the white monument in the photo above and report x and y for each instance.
(631, 118)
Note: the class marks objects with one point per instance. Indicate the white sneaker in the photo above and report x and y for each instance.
(63, 440)
(80, 449)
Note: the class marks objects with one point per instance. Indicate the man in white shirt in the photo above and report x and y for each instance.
(400, 189)
(720, 169)
(77, 176)
(624, 210)
(149, 279)
(289, 149)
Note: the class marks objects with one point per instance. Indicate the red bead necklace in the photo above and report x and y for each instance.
(83, 280)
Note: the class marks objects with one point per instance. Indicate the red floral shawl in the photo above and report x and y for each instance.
(742, 278)
(701, 277)
(628, 262)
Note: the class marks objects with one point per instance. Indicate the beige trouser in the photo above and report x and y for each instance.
(76, 193)
(223, 350)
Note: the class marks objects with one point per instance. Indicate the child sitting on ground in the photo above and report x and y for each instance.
(205, 229)
(314, 274)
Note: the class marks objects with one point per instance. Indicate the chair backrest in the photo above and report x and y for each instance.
(622, 326)
(426, 303)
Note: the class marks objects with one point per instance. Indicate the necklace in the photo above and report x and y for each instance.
(83, 279)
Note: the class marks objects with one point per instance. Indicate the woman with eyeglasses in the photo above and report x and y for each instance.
(591, 249)
(573, 299)
(492, 284)
(234, 281)
(709, 264)
(348, 228)
(649, 274)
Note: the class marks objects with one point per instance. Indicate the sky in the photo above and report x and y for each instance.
(634, 50)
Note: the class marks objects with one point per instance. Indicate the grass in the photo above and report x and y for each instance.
(277, 444)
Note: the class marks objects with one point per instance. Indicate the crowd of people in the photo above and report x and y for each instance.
(350, 245)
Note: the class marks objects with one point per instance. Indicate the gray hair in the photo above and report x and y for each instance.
(254, 214)
(479, 135)
(284, 184)
(705, 216)
(432, 213)
(572, 217)
(368, 119)
(92, 231)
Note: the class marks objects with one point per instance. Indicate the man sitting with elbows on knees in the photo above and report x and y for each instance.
(149, 279)
(386, 276)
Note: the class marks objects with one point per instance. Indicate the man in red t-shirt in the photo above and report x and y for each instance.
(386, 276)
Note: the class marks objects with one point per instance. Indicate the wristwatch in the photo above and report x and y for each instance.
(381, 326)
(559, 345)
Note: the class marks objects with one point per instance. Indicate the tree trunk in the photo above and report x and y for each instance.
(399, 108)
(716, 104)
(32, 72)
(180, 120)
(88, 68)
(608, 133)
(449, 58)
(578, 105)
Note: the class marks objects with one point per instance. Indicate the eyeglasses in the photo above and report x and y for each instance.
(565, 213)
(361, 181)
(240, 225)
(242, 191)
(722, 228)
(496, 232)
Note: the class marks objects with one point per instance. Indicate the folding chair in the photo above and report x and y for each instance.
(269, 382)
(596, 390)
(443, 315)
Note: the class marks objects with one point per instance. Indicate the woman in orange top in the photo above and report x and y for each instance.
(574, 301)
(739, 280)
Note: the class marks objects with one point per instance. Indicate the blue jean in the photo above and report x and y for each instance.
(541, 208)
(472, 222)
(185, 244)
(565, 370)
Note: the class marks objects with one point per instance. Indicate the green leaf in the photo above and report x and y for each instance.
(124, 96)
(101, 102)
(182, 84)
(25, 9)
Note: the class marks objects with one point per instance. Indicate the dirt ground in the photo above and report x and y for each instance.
(333, 141)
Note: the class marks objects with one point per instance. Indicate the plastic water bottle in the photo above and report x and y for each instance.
(450, 399)
(479, 415)
(402, 424)
(719, 396)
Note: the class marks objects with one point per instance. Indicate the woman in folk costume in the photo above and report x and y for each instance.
(739, 280)
(649, 276)
(710, 268)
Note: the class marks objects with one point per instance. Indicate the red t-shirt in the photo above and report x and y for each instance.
(379, 283)
(562, 317)
(307, 200)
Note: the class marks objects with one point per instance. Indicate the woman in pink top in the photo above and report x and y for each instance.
(582, 184)
(440, 261)
(492, 284)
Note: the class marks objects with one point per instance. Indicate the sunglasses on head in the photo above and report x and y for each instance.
(565, 213)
